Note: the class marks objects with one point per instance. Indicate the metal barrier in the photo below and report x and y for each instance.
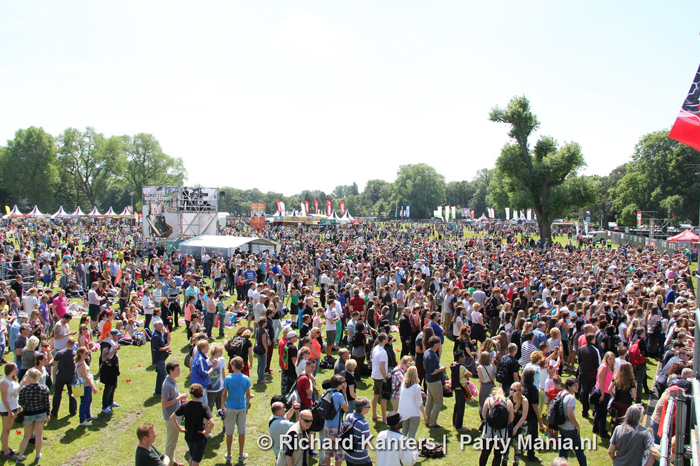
(644, 242)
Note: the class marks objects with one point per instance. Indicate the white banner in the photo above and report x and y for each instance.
(507, 213)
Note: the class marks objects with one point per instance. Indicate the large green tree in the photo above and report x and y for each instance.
(459, 193)
(662, 178)
(544, 178)
(92, 163)
(420, 187)
(147, 164)
(29, 171)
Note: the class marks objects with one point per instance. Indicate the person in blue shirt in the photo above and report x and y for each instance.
(434, 323)
(200, 369)
(434, 379)
(358, 455)
(332, 427)
(236, 398)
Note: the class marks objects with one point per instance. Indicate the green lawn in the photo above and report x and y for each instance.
(112, 437)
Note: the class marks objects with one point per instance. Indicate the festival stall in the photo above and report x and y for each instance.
(226, 245)
(60, 213)
(689, 239)
(36, 213)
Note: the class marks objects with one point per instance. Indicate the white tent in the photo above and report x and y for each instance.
(60, 213)
(111, 213)
(14, 213)
(36, 213)
(95, 213)
(125, 212)
(226, 245)
(79, 213)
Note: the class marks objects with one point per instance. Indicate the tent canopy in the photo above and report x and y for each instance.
(686, 237)
(226, 245)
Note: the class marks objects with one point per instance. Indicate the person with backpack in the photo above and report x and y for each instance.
(333, 404)
(497, 413)
(459, 375)
(637, 357)
(492, 309)
(508, 371)
(357, 428)
(562, 416)
(518, 427)
(391, 450)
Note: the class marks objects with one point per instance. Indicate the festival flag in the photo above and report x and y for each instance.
(7, 209)
(529, 214)
(306, 204)
(454, 212)
(401, 213)
(342, 208)
(472, 214)
(578, 229)
(279, 206)
(396, 211)
(438, 212)
(465, 213)
(686, 129)
(316, 203)
(507, 213)
(329, 207)
(408, 210)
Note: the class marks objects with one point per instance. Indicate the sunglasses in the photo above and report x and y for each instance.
(306, 420)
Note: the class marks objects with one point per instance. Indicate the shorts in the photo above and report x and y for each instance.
(93, 311)
(38, 418)
(235, 418)
(197, 450)
(16, 410)
(377, 386)
(337, 454)
(330, 337)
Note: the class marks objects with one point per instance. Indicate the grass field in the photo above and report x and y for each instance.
(112, 437)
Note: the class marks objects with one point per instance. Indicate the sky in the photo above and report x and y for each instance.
(291, 95)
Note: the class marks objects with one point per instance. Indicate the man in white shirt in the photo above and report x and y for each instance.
(31, 301)
(392, 447)
(380, 369)
(333, 314)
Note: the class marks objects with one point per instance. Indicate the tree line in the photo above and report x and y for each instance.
(86, 168)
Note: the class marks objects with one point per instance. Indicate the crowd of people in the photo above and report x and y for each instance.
(536, 331)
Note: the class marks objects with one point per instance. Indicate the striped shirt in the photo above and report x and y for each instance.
(360, 432)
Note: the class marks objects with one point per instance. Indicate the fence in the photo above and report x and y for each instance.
(644, 242)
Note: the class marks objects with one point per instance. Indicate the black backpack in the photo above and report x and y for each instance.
(490, 307)
(497, 417)
(347, 431)
(322, 410)
(235, 347)
(557, 411)
(454, 375)
(502, 369)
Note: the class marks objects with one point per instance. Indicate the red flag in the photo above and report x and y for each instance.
(342, 208)
(279, 206)
(316, 202)
(329, 207)
(472, 213)
(686, 129)
(306, 204)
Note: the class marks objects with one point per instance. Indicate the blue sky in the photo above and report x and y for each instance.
(314, 94)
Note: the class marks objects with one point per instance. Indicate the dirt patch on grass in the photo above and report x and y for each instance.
(107, 434)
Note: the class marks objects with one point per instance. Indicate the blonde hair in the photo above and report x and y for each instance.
(497, 392)
(216, 349)
(406, 361)
(350, 365)
(32, 376)
(411, 377)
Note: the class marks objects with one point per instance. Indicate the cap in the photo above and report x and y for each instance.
(291, 334)
(111, 312)
(393, 419)
(23, 315)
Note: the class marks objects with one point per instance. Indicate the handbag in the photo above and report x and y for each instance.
(596, 395)
(77, 387)
(259, 349)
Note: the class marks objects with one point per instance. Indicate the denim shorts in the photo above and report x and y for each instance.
(38, 418)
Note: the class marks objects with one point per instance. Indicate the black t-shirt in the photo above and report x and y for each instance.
(195, 414)
(66, 365)
(512, 367)
(259, 335)
(350, 381)
(20, 342)
(303, 331)
(291, 354)
(532, 394)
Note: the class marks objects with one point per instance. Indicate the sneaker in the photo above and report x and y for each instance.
(436, 426)
(313, 453)
(38, 457)
(108, 411)
(228, 457)
(92, 418)
(86, 423)
(21, 459)
(243, 457)
(116, 405)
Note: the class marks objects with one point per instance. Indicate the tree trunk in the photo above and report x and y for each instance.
(545, 226)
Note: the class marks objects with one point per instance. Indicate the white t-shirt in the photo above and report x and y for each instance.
(30, 303)
(457, 326)
(147, 306)
(378, 356)
(622, 331)
(618, 363)
(410, 400)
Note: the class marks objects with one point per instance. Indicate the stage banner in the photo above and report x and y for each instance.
(306, 204)
(342, 208)
(329, 207)
(316, 204)
(507, 213)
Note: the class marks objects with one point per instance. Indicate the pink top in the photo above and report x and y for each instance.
(606, 383)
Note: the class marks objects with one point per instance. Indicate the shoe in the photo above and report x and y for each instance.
(11, 455)
(462, 429)
(313, 453)
(436, 426)
(38, 457)
(86, 424)
(116, 405)
(228, 457)
(243, 457)
(108, 411)
(534, 459)
(92, 418)
(585, 414)
(21, 459)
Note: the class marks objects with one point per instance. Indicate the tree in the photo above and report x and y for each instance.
(420, 187)
(28, 166)
(481, 183)
(544, 179)
(92, 161)
(661, 177)
(147, 165)
(459, 193)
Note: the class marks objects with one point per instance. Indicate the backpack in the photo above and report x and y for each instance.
(490, 307)
(329, 409)
(454, 375)
(347, 431)
(502, 369)
(235, 347)
(386, 386)
(636, 356)
(322, 410)
(556, 410)
(497, 417)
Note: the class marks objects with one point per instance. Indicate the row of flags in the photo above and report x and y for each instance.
(304, 208)
(404, 212)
